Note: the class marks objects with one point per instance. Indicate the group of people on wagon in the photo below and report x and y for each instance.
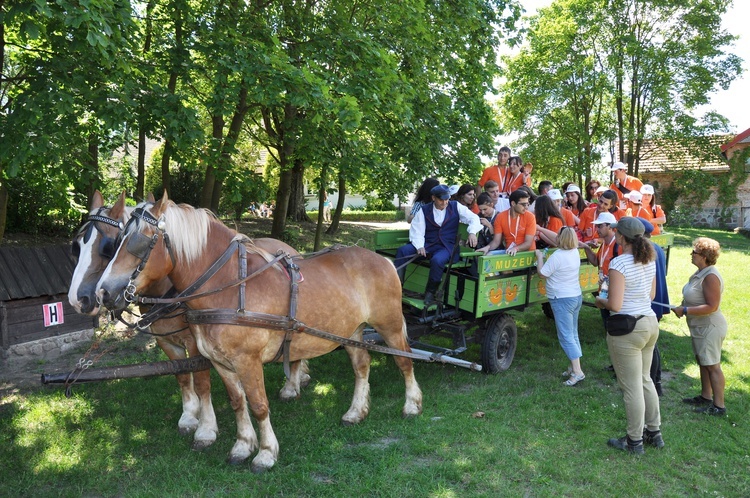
(613, 225)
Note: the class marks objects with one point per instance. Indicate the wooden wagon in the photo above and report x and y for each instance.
(478, 292)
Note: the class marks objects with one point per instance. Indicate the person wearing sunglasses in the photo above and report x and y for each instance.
(591, 188)
(701, 298)
(518, 224)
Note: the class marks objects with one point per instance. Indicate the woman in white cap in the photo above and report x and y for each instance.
(632, 286)
(635, 206)
(574, 201)
(658, 217)
(568, 216)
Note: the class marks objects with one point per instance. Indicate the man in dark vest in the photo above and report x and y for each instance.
(433, 234)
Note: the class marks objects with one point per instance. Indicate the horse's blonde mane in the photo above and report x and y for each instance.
(188, 229)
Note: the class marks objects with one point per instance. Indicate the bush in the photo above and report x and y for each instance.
(682, 216)
(38, 203)
(357, 215)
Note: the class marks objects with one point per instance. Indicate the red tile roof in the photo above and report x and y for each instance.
(661, 155)
(742, 138)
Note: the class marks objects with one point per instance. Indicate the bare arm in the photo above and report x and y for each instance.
(590, 254)
(547, 236)
(616, 292)
(527, 241)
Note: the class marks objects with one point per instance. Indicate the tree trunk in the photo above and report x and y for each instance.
(321, 201)
(229, 144)
(339, 206)
(141, 166)
(92, 163)
(282, 202)
(217, 133)
(284, 135)
(165, 158)
(297, 206)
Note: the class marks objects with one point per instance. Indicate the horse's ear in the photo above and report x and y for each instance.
(150, 198)
(97, 200)
(161, 205)
(116, 213)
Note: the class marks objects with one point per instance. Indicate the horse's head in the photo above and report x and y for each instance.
(144, 255)
(93, 246)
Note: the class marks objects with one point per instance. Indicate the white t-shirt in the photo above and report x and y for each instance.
(562, 271)
(638, 278)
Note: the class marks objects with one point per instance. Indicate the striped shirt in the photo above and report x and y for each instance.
(638, 278)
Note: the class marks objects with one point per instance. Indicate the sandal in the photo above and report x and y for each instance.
(574, 379)
(568, 372)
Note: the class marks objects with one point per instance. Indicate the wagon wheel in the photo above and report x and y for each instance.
(547, 309)
(499, 344)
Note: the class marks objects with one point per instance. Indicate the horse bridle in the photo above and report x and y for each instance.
(140, 246)
(108, 245)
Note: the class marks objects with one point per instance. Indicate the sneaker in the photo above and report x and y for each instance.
(712, 410)
(626, 444)
(653, 438)
(698, 401)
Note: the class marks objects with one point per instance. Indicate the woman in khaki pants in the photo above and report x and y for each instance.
(632, 285)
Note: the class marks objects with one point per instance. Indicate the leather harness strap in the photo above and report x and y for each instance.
(265, 320)
(289, 324)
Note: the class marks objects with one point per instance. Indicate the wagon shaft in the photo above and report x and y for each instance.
(172, 367)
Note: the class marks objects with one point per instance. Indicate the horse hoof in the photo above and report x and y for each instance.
(262, 462)
(258, 469)
(186, 431)
(349, 422)
(187, 425)
(201, 445)
(235, 460)
(288, 395)
(304, 380)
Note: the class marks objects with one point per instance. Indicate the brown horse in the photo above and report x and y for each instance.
(94, 246)
(341, 291)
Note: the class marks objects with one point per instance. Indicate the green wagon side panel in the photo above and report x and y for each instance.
(664, 239)
(467, 298)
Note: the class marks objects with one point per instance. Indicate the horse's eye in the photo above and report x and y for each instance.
(75, 249)
(107, 248)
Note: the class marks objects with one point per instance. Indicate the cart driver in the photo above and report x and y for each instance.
(433, 234)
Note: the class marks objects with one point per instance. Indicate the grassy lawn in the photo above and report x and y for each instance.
(536, 437)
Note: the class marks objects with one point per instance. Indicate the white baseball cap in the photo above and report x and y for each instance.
(573, 188)
(453, 189)
(605, 217)
(619, 165)
(634, 196)
(647, 189)
(554, 194)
